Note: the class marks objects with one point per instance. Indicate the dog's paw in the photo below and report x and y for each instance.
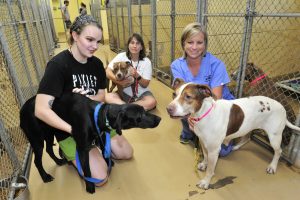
(202, 166)
(47, 178)
(271, 170)
(90, 188)
(61, 162)
(203, 184)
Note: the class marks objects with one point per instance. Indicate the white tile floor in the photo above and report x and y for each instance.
(163, 169)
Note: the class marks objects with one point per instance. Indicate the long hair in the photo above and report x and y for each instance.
(139, 38)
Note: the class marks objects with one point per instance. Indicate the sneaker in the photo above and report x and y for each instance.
(184, 140)
(226, 150)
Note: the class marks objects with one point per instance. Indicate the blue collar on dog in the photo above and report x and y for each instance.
(96, 111)
(107, 149)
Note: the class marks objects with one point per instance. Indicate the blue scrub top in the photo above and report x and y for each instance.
(212, 73)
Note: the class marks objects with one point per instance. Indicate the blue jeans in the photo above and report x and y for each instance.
(186, 131)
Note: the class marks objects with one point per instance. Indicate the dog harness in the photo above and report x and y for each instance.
(197, 119)
(257, 79)
(107, 149)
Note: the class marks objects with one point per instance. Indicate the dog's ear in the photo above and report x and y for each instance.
(128, 63)
(250, 64)
(205, 90)
(115, 65)
(118, 122)
(177, 83)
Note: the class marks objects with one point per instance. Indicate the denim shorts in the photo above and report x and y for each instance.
(129, 99)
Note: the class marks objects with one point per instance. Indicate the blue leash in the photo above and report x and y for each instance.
(107, 149)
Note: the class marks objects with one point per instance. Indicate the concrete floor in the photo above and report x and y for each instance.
(163, 169)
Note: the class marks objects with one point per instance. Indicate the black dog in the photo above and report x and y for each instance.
(78, 111)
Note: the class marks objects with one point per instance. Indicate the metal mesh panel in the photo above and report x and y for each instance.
(112, 41)
(40, 32)
(265, 32)
(225, 28)
(35, 45)
(275, 51)
(166, 49)
(45, 29)
(163, 38)
(136, 18)
(121, 6)
(125, 22)
(277, 6)
(11, 135)
(22, 44)
(6, 166)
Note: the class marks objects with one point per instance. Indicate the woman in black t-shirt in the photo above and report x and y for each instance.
(77, 70)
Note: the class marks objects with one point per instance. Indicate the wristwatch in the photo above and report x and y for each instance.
(139, 78)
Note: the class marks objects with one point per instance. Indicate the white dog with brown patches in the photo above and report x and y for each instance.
(220, 121)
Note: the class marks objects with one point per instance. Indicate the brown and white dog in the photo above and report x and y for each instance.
(220, 121)
(122, 71)
(261, 84)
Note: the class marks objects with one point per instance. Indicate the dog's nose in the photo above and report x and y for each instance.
(170, 109)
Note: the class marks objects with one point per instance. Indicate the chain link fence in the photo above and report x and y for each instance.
(27, 39)
(264, 33)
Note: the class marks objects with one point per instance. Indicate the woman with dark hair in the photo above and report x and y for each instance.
(77, 70)
(140, 93)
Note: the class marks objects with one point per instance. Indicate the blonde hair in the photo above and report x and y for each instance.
(191, 30)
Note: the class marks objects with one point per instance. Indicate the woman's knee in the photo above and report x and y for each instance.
(123, 153)
(121, 148)
(98, 166)
(148, 102)
(113, 98)
(151, 103)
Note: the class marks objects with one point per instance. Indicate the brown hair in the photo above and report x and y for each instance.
(139, 38)
(79, 24)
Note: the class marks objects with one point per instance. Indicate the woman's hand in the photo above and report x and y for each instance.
(80, 91)
(126, 82)
(191, 123)
(135, 74)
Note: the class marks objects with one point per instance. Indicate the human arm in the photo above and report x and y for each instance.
(143, 73)
(218, 91)
(44, 112)
(219, 78)
(177, 71)
(142, 81)
(100, 96)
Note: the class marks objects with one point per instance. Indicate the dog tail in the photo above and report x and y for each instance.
(290, 125)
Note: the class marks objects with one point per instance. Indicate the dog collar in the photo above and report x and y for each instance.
(257, 79)
(197, 119)
(96, 112)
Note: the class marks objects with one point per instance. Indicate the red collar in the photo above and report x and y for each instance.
(197, 119)
(257, 79)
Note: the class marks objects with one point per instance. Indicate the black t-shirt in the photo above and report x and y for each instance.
(63, 73)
